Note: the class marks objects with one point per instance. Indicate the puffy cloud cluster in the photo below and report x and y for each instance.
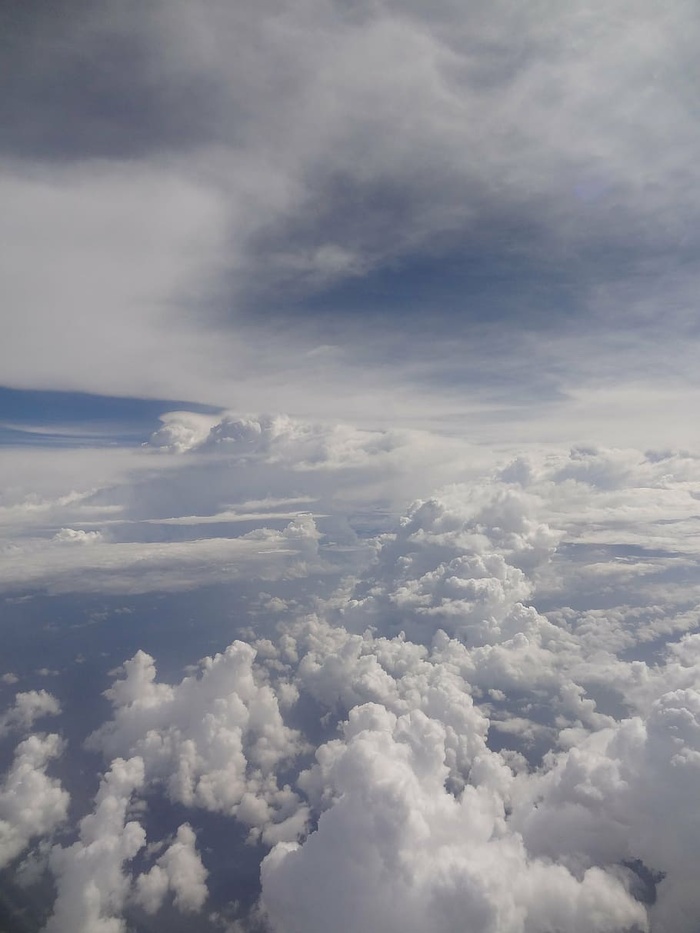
(215, 740)
(457, 563)
(396, 851)
(628, 795)
(92, 877)
(291, 443)
(471, 730)
(122, 534)
(77, 536)
(32, 803)
(415, 829)
(182, 430)
(178, 870)
(27, 708)
(92, 886)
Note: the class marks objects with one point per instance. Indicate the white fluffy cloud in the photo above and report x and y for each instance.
(628, 793)
(27, 708)
(93, 877)
(32, 804)
(436, 224)
(599, 837)
(178, 870)
(215, 740)
(256, 470)
(456, 563)
(92, 884)
(397, 851)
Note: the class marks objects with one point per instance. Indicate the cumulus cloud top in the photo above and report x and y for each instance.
(295, 442)
(397, 851)
(214, 741)
(32, 804)
(92, 886)
(178, 870)
(27, 708)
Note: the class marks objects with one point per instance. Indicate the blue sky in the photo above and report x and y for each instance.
(349, 470)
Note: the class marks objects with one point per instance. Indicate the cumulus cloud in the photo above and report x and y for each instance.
(32, 804)
(182, 430)
(583, 827)
(626, 795)
(93, 877)
(455, 564)
(178, 870)
(121, 534)
(298, 444)
(467, 692)
(449, 686)
(27, 708)
(215, 740)
(468, 695)
(396, 851)
(77, 536)
(90, 878)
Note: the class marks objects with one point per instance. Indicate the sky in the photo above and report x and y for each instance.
(349, 474)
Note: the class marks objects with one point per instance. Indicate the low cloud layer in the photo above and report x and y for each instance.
(489, 716)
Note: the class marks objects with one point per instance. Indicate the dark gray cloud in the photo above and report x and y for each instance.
(83, 83)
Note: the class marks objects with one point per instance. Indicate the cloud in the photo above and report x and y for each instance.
(585, 826)
(138, 238)
(182, 430)
(484, 681)
(449, 243)
(455, 564)
(130, 511)
(27, 708)
(179, 870)
(214, 741)
(32, 804)
(92, 885)
(261, 160)
(625, 794)
(59, 565)
(395, 850)
(294, 443)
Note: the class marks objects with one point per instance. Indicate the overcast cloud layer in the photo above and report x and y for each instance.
(390, 623)
(218, 204)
